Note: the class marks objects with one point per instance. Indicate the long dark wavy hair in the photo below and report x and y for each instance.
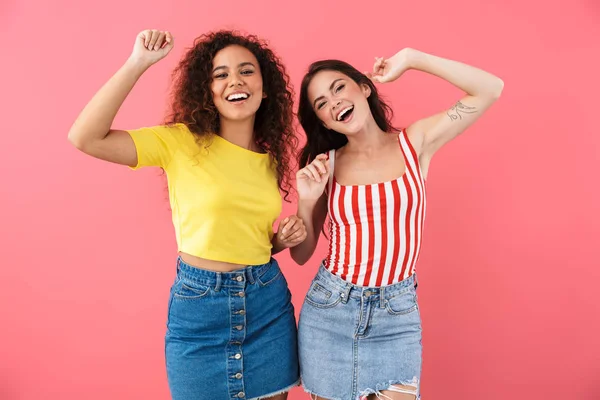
(192, 102)
(320, 139)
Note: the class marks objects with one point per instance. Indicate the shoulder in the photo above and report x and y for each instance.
(416, 137)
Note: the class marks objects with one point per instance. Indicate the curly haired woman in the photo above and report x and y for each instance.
(226, 147)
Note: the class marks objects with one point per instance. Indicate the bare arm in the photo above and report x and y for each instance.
(481, 89)
(91, 132)
(312, 205)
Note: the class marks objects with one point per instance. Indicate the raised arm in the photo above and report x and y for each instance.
(481, 89)
(91, 133)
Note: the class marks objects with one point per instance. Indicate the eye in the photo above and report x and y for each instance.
(221, 76)
(320, 105)
(247, 72)
(337, 89)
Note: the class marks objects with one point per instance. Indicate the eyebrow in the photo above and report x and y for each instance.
(330, 89)
(239, 66)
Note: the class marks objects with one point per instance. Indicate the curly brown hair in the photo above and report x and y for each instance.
(192, 102)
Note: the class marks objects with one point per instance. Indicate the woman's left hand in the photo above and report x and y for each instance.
(291, 232)
(390, 69)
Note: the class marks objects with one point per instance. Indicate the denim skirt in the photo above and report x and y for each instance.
(230, 335)
(355, 341)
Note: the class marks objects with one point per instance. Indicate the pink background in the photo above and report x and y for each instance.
(509, 273)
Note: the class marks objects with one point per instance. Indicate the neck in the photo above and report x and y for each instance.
(368, 140)
(240, 133)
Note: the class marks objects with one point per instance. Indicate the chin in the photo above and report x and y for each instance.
(350, 129)
(238, 115)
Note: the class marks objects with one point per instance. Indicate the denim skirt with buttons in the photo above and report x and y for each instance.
(230, 335)
(358, 341)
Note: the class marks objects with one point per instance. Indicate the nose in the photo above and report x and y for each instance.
(236, 80)
(336, 104)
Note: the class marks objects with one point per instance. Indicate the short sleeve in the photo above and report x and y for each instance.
(156, 145)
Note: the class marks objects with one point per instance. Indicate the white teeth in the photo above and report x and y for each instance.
(237, 96)
(344, 111)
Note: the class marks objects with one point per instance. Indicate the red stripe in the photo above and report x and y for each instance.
(371, 226)
(397, 238)
(384, 238)
(422, 220)
(347, 243)
(332, 225)
(416, 230)
(419, 197)
(411, 150)
(336, 263)
(358, 244)
(406, 224)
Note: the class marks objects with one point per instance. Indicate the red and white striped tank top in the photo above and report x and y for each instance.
(375, 230)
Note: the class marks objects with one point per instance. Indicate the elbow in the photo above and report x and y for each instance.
(298, 258)
(497, 88)
(75, 140)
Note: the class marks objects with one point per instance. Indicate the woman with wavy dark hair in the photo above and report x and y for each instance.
(226, 149)
(359, 333)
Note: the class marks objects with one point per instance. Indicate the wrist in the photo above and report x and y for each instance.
(136, 65)
(415, 59)
(306, 204)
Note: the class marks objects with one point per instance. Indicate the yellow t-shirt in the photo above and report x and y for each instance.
(224, 198)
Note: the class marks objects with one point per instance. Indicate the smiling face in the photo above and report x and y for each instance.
(339, 102)
(237, 85)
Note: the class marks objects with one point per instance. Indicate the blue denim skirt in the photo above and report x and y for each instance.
(355, 341)
(230, 335)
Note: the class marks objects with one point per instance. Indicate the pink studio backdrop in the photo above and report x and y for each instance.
(509, 272)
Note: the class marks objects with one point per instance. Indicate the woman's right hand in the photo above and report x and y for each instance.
(151, 46)
(312, 179)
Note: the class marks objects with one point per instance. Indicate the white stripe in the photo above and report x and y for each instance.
(377, 256)
(352, 239)
(363, 225)
(419, 232)
(402, 251)
(414, 183)
(412, 215)
(389, 195)
(340, 226)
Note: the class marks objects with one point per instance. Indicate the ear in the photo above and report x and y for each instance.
(264, 96)
(366, 89)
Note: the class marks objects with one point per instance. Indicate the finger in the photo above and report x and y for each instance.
(153, 39)
(320, 166)
(324, 159)
(379, 79)
(304, 174)
(169, 42)
(322, 156)
(298, 239)
(159, 41)
(145, 37)
(311, 168)
(296, 235)
(377, 65)
(291, 228)
(283, 222)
